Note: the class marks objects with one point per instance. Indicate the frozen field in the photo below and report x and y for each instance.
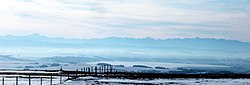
(34, 81)
(98, 81)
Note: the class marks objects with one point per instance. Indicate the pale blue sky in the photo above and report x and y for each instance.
(227, 19)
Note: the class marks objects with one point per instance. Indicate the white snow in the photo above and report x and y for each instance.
(10, 80)
(176, 81)
(8, 71)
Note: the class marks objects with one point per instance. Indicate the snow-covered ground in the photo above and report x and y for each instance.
(8, 71)
(23, 80)
(34, 81)
(177, 81)
(11, 80)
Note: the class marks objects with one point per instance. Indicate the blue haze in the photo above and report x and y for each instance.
(210, 51)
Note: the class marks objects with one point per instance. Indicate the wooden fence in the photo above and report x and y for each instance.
(107, 71)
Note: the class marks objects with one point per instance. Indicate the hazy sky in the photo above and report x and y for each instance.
(229, 19)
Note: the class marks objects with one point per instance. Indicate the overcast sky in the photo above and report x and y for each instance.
(229, 19)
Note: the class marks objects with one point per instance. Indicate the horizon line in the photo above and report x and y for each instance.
(147, 37)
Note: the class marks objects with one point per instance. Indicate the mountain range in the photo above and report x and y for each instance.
(186, 50)
(37, 40)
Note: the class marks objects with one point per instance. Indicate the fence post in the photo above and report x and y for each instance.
(41, 81)
(88, 71)
(3, 81)
(76, 72)
(95, 71)
(29, 80)
(60, 79)
(51, 80)
(16, 80)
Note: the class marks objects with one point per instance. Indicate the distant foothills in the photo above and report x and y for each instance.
(37, 40)
(210, 51)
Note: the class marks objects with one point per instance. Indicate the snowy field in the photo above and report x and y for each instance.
(23, 79)
(34, 81)
(99, 81)
(178, 81)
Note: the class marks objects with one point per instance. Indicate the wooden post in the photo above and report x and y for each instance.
(51, 80)
(60, 79)
(3, 81)
(68, 75)
(88, 71)
(76, 71)
(16, 80)
(41, 81)
(95, 71)
(29, 80)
